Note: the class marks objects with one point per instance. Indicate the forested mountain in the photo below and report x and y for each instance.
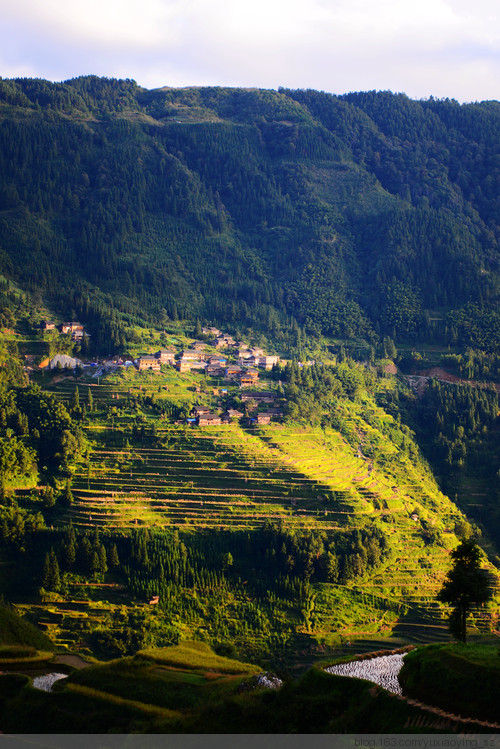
(360, 215)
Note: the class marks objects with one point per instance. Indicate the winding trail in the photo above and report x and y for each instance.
(449, 718)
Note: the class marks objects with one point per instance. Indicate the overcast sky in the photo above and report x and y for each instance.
(443, 48)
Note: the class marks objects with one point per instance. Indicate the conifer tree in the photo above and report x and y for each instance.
(51, 573)
(95, 564)
(67, 494)
(74, 403)
(69, 553)
(48, 497)
(103, 566)
(90, 400)
(114, 561)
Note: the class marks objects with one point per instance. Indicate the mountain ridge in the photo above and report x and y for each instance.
(352, 216)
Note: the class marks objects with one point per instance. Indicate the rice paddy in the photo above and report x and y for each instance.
(147, 470)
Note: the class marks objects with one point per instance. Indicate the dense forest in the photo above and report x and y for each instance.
(292, 212)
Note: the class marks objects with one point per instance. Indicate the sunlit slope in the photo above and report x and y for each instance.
(236, 477)
(232, 476)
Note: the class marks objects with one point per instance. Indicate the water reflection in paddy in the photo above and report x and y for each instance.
(46, 681)
(382, 670)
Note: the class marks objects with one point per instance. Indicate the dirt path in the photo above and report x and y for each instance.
(442, 375)
(448, 718)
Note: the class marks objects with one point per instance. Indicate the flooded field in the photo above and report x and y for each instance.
(383, 670)
(47, 681)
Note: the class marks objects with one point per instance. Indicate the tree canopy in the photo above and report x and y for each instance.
(355, 216)
(465, 585)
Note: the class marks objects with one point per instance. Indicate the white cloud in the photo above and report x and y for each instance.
(107, 22)
(440, 47)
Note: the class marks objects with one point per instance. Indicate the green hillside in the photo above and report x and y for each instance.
(291, 212)
(454, 677)
(123, 526)
(200, 694)
(16, 633)
(355, 238)
(280, 541)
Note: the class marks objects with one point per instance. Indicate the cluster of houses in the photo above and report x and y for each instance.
(203, 416)
(239, 364)
(75, 329)
(245, 371)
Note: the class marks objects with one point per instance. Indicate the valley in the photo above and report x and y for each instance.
(249, 404)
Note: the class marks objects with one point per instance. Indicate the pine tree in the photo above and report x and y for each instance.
(90, 400)
(74, 403)
(48, 497)
(95, 564)
(103, 566)
(84, 554)
(51, 574)
(227, 561)
(67, 495)
(114, 561)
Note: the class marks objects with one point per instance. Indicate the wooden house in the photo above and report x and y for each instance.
(165, 357)
(46, 325)
(199, 411)
(221, 341)
(263, 418)
(244, 352)
(259, 396)
(232, 371)
(214, 370)
(268, 361)
(249, 378)
(148, 362)
(192, 354)
(231, 414)
(208, 419)
(71, 327)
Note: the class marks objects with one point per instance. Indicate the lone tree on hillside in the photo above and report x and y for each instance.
(465, 584)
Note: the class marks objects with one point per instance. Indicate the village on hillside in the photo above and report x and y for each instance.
(219, 356)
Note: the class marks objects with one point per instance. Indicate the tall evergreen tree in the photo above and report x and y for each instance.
(51, 574)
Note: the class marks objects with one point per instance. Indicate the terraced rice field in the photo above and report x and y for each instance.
(229, 475)
(235, 477)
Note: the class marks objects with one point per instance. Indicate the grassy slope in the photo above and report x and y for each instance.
(14, 630)
(137, 694)
(234, 477)
(462, 679)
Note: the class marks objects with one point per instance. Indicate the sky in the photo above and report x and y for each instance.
(440, 48)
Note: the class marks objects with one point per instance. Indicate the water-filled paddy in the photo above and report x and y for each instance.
(383, 670)
(46, 681)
